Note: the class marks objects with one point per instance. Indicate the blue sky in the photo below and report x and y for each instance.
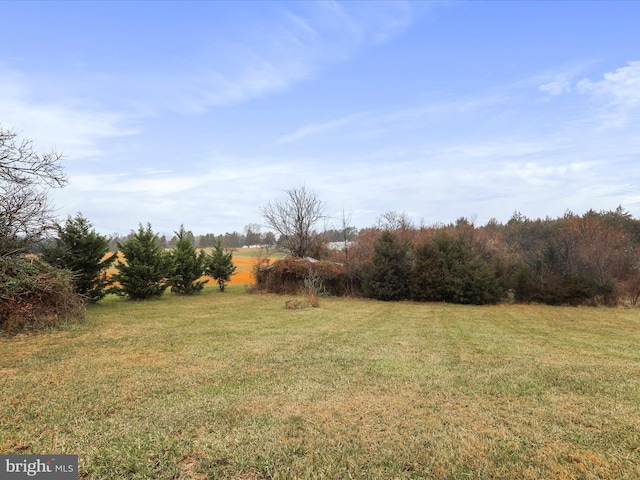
(199, 113)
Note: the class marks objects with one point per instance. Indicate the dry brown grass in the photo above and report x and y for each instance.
(234, 386)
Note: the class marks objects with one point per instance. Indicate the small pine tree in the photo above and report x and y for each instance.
(220, 265)
(188, 265)
(388, 276)
(146, 269)
(83, 251)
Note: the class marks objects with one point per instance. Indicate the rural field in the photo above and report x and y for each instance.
(245, 259)
(233, 385)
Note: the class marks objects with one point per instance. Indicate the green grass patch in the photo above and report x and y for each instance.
(233, 385)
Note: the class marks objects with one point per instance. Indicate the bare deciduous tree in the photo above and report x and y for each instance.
(394, 221)
(346, 229)
(25, 179)
(294, 217)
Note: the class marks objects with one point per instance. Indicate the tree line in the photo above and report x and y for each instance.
(587, 259)
(144, 268)
(251, 236)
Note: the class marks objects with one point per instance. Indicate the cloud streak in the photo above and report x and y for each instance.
(289, 52)
(66, 123)
(316, 128)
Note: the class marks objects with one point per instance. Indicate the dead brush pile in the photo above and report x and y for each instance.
(292, 276)
(35, 295)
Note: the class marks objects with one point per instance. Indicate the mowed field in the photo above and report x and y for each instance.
(233, 385)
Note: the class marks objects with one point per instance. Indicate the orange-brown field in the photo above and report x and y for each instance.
(244, 269)
(243, 259)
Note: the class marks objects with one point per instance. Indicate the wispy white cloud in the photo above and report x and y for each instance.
(315, 128)
(556, 87)
(500, 149)
(372, 124)
(299, 24)
(66, 124)
(155, 171)
(377, 22)
(150, 185)
(205, 199)
(615, 100)
(620, 88)
(559, 80)
(291, 51)
(293, 44)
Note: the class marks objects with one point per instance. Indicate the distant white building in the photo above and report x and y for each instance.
(339, 246)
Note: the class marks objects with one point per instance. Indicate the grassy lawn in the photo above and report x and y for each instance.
(233, 385)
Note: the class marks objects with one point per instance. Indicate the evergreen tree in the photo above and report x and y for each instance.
(146, 269)
(388, 276)
(83, 251)
(467, 278)
(188, 265)
(429, 273)
(220, 265)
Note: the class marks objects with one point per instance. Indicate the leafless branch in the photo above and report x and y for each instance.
(20, 164)
(25, 179)
(294, 218)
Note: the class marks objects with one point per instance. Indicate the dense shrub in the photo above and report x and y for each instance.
(288, 276)
(544, 283)
(444, 265)
(467, 278)
(428, 273)
(387, 278)
(588, 259)
(34, 294)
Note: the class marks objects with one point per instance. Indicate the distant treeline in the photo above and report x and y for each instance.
(229, 239)
(251, 236)
(589, 259)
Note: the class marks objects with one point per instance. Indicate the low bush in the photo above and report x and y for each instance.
(34, 295)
